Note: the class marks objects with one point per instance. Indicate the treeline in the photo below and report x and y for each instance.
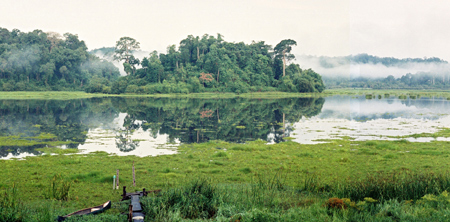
(40, 60)
(421, 80)
(332, 62)
(210, 64)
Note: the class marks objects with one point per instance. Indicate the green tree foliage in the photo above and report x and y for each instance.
(124, 52)
(282, 51)
(210, 64)
(48, 61)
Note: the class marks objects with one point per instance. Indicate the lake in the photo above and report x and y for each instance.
(154, 126)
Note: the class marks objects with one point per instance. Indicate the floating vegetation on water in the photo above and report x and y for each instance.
(43, 139)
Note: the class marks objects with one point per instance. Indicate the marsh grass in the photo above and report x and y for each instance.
(308, 175)
(11, 209)
(402, 185)
(58, 189)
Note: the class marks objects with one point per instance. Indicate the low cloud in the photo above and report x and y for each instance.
(354, 66)
(110, 57)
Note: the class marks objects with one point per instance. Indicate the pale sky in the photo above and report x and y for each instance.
(394, 28)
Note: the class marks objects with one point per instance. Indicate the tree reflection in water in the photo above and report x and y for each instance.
(124, 142)
(184, 120)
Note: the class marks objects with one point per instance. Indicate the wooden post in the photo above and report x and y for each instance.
(134, 176)
(144, 193)
(124, 192)
(117, 179)
(130, 213)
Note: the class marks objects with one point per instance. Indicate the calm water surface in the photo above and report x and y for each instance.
(147, 126)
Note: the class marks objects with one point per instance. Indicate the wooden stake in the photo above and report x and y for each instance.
(117, 179)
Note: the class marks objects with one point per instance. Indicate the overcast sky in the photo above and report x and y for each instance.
(397, 28)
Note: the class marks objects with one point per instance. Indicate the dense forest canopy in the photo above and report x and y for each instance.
(40, 60)
(210, 64)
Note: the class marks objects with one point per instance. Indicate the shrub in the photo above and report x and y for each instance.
(8, 87)
(335, 203)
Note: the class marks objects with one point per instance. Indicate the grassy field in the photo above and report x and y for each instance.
(77, 95)
(55, 95)
(303, 176)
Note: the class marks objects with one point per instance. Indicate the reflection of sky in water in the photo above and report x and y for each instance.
(361, 109)
(375, 119)
(353, 116)
(104, 139)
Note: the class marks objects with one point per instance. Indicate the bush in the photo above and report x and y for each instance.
(106, 90)
(21, 86)
(8, 87)
(132, 89)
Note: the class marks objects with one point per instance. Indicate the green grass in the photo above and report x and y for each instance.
(302, 168)
(66, 95)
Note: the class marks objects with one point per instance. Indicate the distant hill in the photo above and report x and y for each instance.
(368, 71)
(369, 66)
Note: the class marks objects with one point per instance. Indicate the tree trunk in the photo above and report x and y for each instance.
(218, 73)
(177, 64)
(284, 62)
(198, 53)
(218, 118)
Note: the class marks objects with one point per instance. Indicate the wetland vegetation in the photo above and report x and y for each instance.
(224, 168)
(284, 181)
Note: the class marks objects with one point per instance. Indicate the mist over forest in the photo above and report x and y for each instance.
(369, 66)
(37, 61)
(368, 71)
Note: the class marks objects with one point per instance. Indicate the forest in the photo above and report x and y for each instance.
(48, 61)
(209, 64)
(40, 61)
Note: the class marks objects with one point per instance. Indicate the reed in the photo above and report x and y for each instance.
(402, 185)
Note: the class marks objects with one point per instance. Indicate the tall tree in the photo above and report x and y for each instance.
(124, 52)
(283, 49)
